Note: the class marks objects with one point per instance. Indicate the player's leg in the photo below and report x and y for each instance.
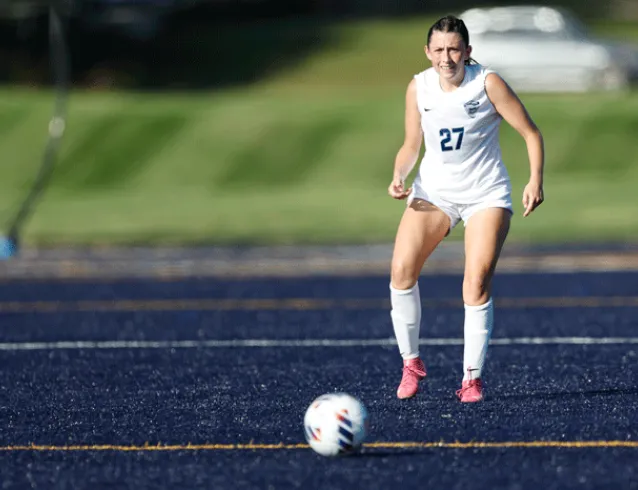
(421, 229)
(485, 234)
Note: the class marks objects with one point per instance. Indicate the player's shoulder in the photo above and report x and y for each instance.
(426, 77)
(428, 72)
(482, 72)
(476, 71)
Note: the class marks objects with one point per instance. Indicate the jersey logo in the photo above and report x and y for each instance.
(472, 107)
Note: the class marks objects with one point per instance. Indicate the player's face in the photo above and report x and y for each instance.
(448, 53)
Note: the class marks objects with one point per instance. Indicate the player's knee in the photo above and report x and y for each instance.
(475, 290)
(403, 275)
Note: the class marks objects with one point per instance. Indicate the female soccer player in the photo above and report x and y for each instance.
(456, 106)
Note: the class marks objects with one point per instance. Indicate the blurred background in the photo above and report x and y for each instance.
(277, 122)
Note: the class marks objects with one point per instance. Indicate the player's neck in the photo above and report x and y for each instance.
(452, 84)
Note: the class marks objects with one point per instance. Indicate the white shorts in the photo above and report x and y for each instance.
(499, 197)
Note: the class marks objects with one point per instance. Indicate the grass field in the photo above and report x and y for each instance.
(304, 156)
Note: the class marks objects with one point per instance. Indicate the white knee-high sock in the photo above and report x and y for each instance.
(406, 319)
(479, 321)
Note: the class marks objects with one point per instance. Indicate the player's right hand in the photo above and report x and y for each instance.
(397, 189)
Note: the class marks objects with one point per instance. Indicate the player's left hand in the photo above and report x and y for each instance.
(532, 197)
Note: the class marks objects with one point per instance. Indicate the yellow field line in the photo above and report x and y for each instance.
(294, 304)
(372, 445)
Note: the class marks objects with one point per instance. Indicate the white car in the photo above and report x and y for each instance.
(548, 50)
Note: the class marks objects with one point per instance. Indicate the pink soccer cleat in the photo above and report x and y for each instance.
(413, 372)
(471, 391)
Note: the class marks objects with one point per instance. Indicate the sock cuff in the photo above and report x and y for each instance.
(404, 291)
(484, 306)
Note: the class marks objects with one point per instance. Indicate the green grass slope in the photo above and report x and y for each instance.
(301, 157)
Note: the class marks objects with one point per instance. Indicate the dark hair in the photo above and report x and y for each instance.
(449, 23)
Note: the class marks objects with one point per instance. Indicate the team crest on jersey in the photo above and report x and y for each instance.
(472, 107)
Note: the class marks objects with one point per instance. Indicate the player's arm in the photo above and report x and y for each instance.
(513, 111)
(408, 154)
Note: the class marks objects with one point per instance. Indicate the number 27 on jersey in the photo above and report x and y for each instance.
(451, 139)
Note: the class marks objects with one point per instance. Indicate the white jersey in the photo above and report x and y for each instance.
(462, 162)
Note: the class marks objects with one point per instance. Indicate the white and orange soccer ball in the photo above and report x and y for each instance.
(336, 424)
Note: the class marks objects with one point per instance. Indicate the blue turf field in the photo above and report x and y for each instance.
(218, 373)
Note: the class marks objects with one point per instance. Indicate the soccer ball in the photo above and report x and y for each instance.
(336, 424)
